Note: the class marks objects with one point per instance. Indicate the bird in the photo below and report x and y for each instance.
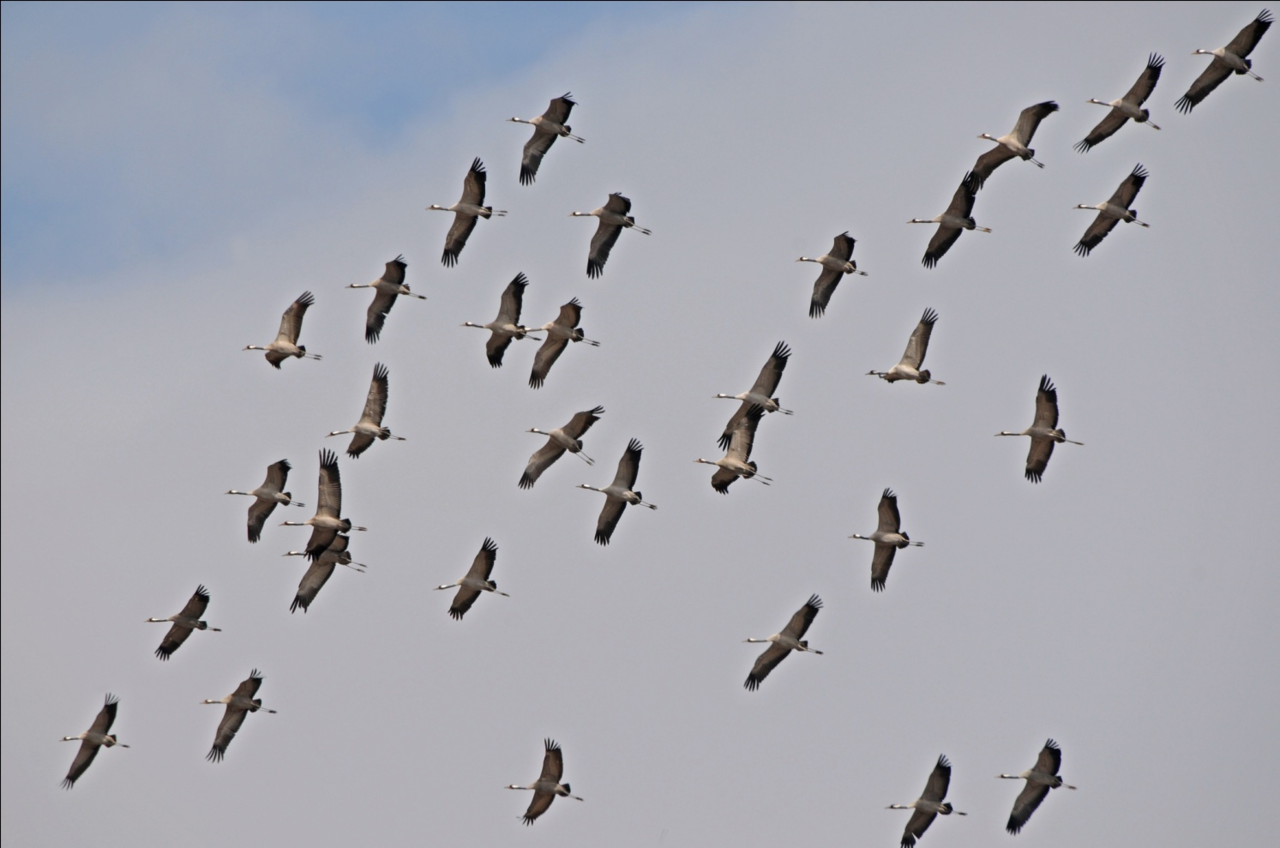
(908, 368)
(547, 127)
(475, 581)
(465, 213)
(239, 704)
(929, 805)
(566, 438)
(184, 622)
(1040, 778)
(613, 218)
(319, 572)
(959, 215)
(92, 739)
(1015, 143)
(560, 332)
(369, 427)
(325, 524)
(1129, 106)
(506, 326)
(548, 785)
(286, 343)
(737, 461)
(619, 493)
(1043, 431)
(835, 264)
(760, 394)
(267, 496)
(888, 538)
(1226, 60)
(1113, 210)
(783, 643)
(389, 286)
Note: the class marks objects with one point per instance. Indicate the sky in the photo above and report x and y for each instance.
(174, 176)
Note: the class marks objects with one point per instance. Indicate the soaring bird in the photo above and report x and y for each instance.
(369, 427)
(319, 572)
(1129, 106)
(326, 523)
(835, 264)
(465, 213)
(267, 496)
(1015, 143)
(506, 326)
(958, 216)
(760, 394)
(1040, 778)
(548, 785)
(1112, 211)
(1043, 431)
(1226, 60)
(286, 343)
(613, 220)
(97, 736)
(619, 493)
(184, 622)
(888, 538)
(389, 286)
(239, 704)
(475, 581)
(929, 805)
(908, 368)
(547, 127)
(784, 643)
(561, 439)
(737, 461)
(560, 332)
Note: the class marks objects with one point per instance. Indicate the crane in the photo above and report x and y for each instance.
(286, 343)
(613, 220)
(369, 427)
(267, 496)
(388, 287)
(506, 326)
(325, 524)
(760, 394)
(184, 622)
(1129, 106)
(239, 704)
(908, 368)
(1040, 778)
(929, 805)
(547, 127)
(560, 332)
(1015, 143)
(475, 581)
(835, 264)
(784, 643)
(1226, 60)
(319, 572)
(561, 439)
(957, 217)
(1043, 431)
(1112, 211)
(888, 538)
(466, 212)
(737, 461)
(619, 493)
(548, 785)
(97, 736)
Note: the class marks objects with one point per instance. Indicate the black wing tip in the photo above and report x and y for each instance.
(1050, 743)
(202, 593)
(782, 350)
(752, 683)
(111, 700)
(1046, 385)
(162, 654)
(602, 539)
(68, 782)
(943, 761)
(215, 754)
(930, 316)
(526, 482)
(594, 269)
(328, 459)
(298, 602)
(456, 615)
(725, 441)
(1081, 249)
(814, 601)
(380, 371)
(550, 744)
(1184, 104)
(255, 675)
(306, 298)
(816, 310)
(520, 280)
(877, 584)
(889, 493)
(634, 445)
(722, 488)
(1083, 146)
(477, 167)
(1034, 476)
(449, 258)
(536, 382)
(1264, 16)
(489, 545)
(1139, 171)
(929, 261)
(1155, 60)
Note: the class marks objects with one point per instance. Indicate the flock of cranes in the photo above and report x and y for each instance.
(328, 545)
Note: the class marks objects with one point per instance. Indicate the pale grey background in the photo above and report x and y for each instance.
(173, 177)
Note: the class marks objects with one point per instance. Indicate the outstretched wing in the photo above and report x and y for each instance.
(1106, 128)
(1097, 231)
(291, 321)
(542, 459)
(601, 245)
(232, 718)
(918, 344)
(881, 562)
(318, 573)
(1028, 799)
(547, 354)
(823, 288)
(376, 317)
(610, 515)
(765, 663)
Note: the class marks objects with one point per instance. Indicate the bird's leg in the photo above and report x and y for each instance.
(641, 230)
(588, 460)
(312, 356)
(1153, 126)
(939, 382)
(590, 342)
(1259, 79)
(1035, 162)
